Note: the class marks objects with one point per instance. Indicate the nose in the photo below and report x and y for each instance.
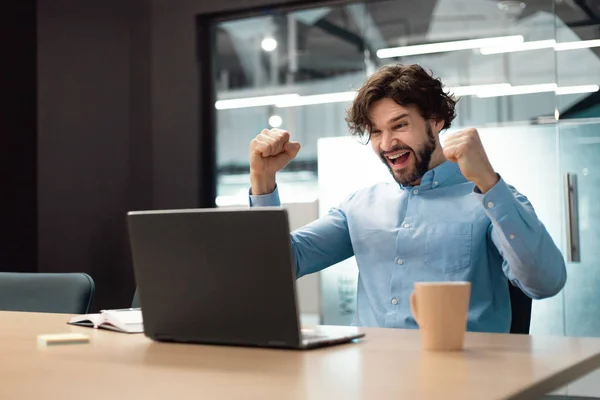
(388, 141)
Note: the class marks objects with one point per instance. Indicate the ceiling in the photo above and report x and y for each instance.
(339, 40)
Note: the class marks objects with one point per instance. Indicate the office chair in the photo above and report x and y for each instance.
(135, 303)
(68, 293)
(520, 305)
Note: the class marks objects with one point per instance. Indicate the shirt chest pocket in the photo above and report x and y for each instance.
(448, 246)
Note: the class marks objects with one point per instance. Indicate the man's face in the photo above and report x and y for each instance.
(403, 139)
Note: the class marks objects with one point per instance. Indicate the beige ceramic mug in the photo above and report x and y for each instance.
(440, 309)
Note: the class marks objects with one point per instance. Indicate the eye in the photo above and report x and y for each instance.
(375, 133)
(400, 126)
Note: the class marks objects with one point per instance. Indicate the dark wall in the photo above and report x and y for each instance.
(175, 95)
(94, 159)
(118, 127)
(18, 247)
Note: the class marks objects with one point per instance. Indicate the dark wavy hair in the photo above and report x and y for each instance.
(407, 85)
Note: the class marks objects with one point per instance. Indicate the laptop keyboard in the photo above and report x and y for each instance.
(312, 336)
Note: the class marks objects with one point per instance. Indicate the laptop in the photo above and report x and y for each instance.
(221, 276)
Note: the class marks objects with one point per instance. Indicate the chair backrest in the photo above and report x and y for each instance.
(135, 303)
(520, 305)
(69, 293)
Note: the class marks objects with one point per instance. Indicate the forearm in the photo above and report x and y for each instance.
(262, 184)
(318, 245)
(532, 260)
(322, 243)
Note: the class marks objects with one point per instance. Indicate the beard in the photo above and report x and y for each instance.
(414, 172)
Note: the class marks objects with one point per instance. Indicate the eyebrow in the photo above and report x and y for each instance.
(393, 120)
(397, 118)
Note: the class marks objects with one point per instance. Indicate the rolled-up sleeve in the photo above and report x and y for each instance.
(265, 200)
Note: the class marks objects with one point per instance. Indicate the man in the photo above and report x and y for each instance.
(449, 217)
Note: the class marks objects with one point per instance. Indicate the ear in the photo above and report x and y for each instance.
(437, 125)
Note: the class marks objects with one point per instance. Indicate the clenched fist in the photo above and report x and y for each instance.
(466, 149)
(270, 152)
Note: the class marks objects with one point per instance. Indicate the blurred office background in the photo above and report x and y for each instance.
(527, 75)
(526, 72)
(150, 104)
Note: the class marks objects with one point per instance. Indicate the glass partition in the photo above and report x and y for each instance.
(293, 70)
(578, 68)
(298, 70)
(526, 72)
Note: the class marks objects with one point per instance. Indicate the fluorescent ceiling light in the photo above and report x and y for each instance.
(577, 89)
(317, 99)
(475, 89)
(516, 90)
(253, 101)
(441, 47)
(540, 44)
(582, 44)
(510, 48)
(540, 88)
(482, 91)
(349, 96)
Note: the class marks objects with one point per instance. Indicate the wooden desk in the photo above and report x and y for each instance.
(388, 364)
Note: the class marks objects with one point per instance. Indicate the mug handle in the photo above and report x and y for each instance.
(413, 306)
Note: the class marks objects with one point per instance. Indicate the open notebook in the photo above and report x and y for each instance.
(127, 320)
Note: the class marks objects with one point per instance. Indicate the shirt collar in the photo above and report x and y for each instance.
(438, 176)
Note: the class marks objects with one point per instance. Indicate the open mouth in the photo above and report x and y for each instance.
(399, 159)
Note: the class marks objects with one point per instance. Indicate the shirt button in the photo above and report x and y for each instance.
(407, 225)
(394, 301)
(435, 183)
(400, 261)
(416, 191)
(512, 236)
(490, 204)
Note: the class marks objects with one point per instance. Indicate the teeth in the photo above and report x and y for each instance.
(397, 155)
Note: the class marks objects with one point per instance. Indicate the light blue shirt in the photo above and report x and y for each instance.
(442, 230)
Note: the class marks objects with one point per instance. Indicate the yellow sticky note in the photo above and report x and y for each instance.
(62, 338)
